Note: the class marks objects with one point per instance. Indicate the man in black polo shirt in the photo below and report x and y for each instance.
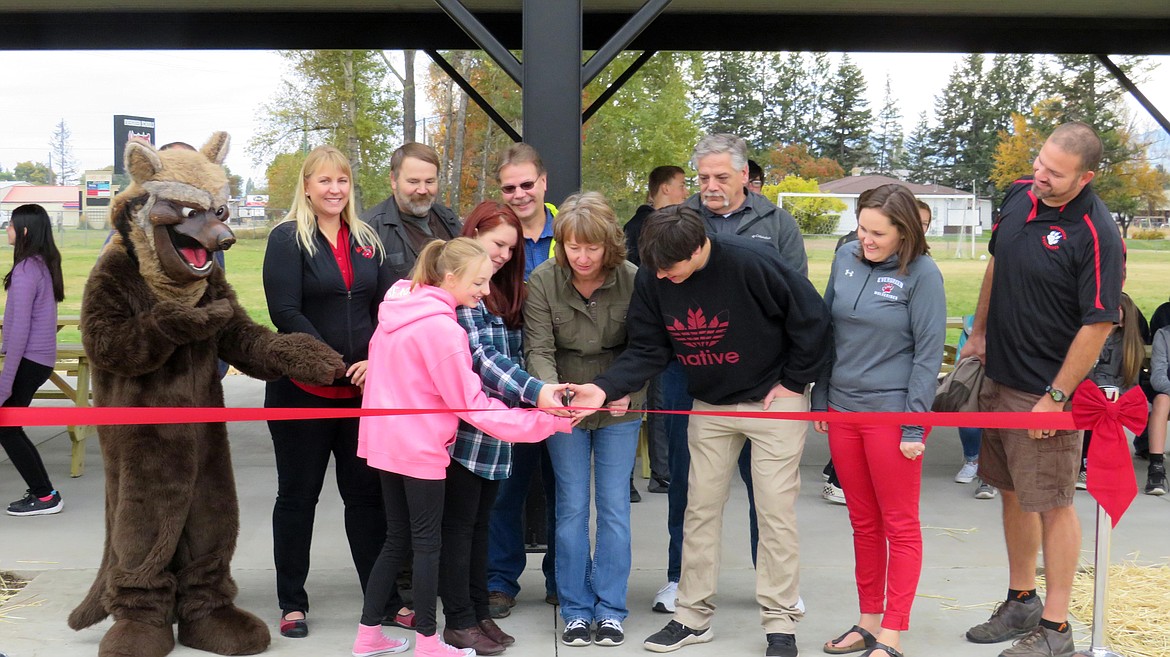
(1050, 297)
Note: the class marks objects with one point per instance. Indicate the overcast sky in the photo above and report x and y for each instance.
(194, 93)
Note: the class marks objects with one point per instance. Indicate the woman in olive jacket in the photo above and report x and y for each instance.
(574, 327)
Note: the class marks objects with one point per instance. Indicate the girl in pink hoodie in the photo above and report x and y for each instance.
(419, 359)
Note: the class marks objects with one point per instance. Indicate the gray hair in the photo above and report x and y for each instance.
(720, 143)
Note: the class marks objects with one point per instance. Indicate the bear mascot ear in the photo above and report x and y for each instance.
(142, 161)
(216, 148)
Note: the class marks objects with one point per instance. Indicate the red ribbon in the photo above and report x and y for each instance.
(96, 416)
(1110, 476)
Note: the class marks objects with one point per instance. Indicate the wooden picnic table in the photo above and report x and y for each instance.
(71, 361)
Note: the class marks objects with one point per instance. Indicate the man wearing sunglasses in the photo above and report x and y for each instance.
(523, 181)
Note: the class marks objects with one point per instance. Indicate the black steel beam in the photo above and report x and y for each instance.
(124, 29)
(484, 105)
(552, 90)
(622, 38)
(1132, 88)
(483, 37)
(616, 85)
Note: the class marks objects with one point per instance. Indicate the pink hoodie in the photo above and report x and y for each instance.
(419, 358)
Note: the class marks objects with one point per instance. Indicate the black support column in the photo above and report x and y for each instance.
(552, 90)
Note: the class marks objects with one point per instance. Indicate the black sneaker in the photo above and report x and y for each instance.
(781, 645)
(674, 636)
(31, 505)
(1156, 479)
(635, 496)
(609, 633)
(658, 484)
(576, 633)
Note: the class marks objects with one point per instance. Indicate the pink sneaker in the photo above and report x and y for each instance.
(371, 642)
(432, 646)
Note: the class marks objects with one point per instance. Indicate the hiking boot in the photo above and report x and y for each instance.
(1009, 620)
(781, 645)
(1042, 642)
(576, 633)
(500, 604)
(674, 636)
(1156, 479)
(609, 633)
(31, 505)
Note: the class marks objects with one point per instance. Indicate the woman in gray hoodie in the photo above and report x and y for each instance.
(886, 297)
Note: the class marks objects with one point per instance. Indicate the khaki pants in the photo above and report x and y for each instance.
(715, 443)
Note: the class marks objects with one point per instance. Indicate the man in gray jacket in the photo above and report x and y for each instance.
(410, 217)
(727, 206)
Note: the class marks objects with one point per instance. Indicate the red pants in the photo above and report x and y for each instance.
(881, 491)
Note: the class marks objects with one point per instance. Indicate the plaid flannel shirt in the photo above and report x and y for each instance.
(495, 357)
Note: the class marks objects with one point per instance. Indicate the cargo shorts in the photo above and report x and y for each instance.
(1042, 473)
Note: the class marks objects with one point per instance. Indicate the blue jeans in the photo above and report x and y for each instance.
(506, 554)
(972, 440)
(593, 587)
(676, 398)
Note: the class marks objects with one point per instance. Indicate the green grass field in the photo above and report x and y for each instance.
(1148, 283)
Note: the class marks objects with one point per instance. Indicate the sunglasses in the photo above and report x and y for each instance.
(527, 186)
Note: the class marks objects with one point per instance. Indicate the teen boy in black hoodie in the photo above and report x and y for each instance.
(752, 334)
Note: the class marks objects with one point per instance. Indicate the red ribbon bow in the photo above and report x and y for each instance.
(1111, 480)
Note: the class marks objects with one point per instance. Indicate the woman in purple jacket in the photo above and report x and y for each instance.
(34, 286)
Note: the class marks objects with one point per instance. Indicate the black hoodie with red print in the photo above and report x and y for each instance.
(740, 325)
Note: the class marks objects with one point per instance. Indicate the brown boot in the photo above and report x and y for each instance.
(472, 638)
(493, 632)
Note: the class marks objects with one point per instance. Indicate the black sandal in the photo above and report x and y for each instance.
(878, 646)
(867, 641)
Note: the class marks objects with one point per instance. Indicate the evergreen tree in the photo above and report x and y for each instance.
(921, 161)
(784, 99)
(1010, 87)
(731, 95)
(964, 138)
(887, 141)
(846, 138)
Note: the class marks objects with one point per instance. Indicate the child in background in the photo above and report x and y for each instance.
(1160, 412)
(35, 287)
(419, 358)
(1117, 368)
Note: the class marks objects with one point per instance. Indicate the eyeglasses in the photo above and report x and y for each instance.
(756, 182)
(527, 186)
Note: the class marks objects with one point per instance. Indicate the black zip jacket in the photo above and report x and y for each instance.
(386, 220)
(306, 294)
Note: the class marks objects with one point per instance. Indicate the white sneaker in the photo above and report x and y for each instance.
(967, 473)
(664, 599)
(833, 493)
(986, 491)
(1082, 480)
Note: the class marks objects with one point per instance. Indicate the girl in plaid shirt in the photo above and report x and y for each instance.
(479, 461)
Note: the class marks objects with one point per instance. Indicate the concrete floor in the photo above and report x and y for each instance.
(964, 572)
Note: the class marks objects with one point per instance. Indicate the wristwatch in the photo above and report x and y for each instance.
(1057, 396)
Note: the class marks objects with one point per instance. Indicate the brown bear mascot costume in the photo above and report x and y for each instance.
(156, 314)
